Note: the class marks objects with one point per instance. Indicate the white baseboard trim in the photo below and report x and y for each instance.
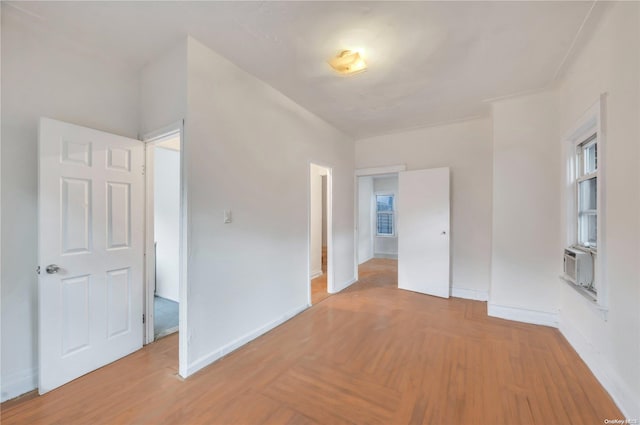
(621, 394)
(366, 259)
(390, 255)
(469, 294)
(233, 345)
(535, 317)
(344, 286)
(315, 274)
(16, 384)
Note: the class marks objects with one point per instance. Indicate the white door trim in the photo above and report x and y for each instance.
(391, 169)
(150, 139)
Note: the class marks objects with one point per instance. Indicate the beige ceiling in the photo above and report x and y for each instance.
(429, 62)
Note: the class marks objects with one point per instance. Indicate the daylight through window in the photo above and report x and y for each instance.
(385, 215)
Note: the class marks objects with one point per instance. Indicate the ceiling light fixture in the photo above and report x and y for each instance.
(348, 63)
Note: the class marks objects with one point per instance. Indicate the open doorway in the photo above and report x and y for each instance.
(320, 224)
(377, 206)
(376, 216)
(163, 234)
(404, 217)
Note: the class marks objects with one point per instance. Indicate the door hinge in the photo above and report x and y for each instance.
(38, 270)
(143, 319)
(144, 169)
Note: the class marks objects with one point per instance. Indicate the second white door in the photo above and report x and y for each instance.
(423, 231)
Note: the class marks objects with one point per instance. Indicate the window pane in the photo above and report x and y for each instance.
(587, 212)
(592, 229)
(590, 158)
(587, 195)
(385, 224)
(384, 202)
(588, 229)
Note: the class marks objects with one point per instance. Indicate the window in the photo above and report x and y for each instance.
(585, 164)
(385, 219)
(587, 192)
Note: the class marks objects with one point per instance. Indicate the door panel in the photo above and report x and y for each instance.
(91, 194)
(118, 215)
(119, 301)
(75, 313)
(423, 231)
(119, 159)
(76, 215)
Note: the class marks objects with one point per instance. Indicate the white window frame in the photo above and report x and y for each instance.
(582, 177)
(590, 124)
(391, 213)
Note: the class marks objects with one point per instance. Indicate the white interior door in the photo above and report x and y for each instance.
(423, 231)
(91, 206)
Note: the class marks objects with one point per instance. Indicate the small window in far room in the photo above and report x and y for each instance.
(385, 219)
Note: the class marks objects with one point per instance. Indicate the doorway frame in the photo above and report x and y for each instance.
(366, 172)
(149, 140)
(329, 207)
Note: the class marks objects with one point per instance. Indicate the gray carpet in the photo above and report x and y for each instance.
(165, 315)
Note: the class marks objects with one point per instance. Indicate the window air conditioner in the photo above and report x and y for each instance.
(578, 267)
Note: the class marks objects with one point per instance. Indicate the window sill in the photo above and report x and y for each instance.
(593, 251)
(386, 236)
(589, 298)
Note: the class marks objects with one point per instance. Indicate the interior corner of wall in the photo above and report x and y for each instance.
(19, 383)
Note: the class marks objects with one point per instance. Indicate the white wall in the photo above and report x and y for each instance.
(365, 219)
(43, 74)
(528, 188)
(163, 89)
(315, 220)
(609, 64)
(386, 184)
(526, 260)
(248, 148)
(466, 147)
(386, 245)
(166, 222)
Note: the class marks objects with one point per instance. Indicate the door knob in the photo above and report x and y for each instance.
(443, 233)
(53, 268)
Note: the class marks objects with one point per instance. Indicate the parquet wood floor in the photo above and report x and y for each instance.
(372, 354)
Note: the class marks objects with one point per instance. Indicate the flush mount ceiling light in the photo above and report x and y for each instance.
(348, 63)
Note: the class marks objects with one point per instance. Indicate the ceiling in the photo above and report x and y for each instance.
(429, 62)
(172, 143)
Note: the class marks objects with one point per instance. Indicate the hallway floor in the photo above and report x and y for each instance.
(372, 354)
(319, 289)
(165, 317)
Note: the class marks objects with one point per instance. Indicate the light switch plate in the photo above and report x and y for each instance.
(227, 216)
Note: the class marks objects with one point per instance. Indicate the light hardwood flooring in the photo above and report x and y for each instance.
(319, 289)
(372, 354)
(319, 284)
